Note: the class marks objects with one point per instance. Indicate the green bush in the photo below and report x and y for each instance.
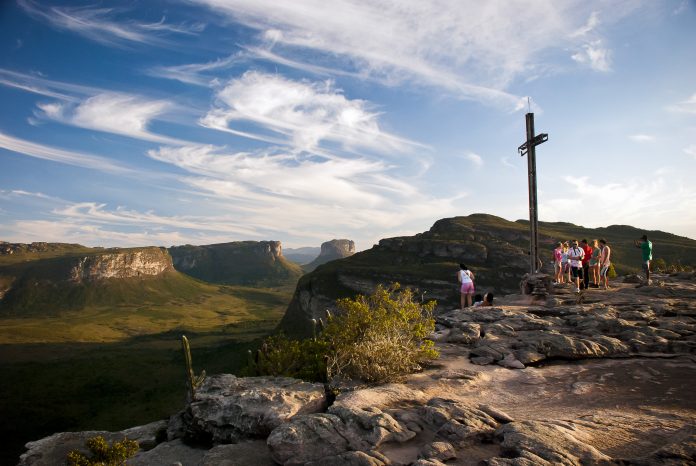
(103, 454)
(376, 338)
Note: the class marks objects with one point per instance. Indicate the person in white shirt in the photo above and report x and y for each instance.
(575, 255)
(466, 280)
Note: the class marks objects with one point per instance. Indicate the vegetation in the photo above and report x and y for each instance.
(103, 454)
(193, 381)
(376, 338)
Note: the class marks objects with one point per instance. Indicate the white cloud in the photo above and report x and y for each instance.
(592, 22)
(471, 51)
(594, 55)
(642, 138)
(475, 159)
(116, 113)
(100, 24)
(302, 114)
(668, 200)
(690, 150)
(53, 154)
(685, 106)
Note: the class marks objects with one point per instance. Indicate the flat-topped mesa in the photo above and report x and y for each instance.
(122, 264)
(238, 262)
(332, 250)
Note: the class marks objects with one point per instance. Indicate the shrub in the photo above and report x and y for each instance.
(103, 454)
(659, 264)
(375, 338)
(611, 273)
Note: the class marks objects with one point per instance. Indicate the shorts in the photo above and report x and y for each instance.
(565, 267)
(467, 288)
(576, 272)
(604, 271)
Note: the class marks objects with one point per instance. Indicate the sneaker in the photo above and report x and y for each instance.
(577, 290)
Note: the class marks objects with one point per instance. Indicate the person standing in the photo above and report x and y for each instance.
(575, 255)
(557, 265)
(604, 262)
(466, 290)
(587, 255)
(594, 263)
(565, 274)
(646, 248)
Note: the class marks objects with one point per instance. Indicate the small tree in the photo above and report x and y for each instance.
(660, 265)
(103, 454)
(375, 338)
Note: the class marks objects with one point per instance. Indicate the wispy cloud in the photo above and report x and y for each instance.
(691, 150)
(594, 55)
(54, 154)
(669, 200)
(123, 114)
(469, 51)
(196, 73)
(642, 138)
(101, 24)
(302, 114)
(474, 158)
(685, 106)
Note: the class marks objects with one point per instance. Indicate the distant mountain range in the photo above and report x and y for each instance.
(494, 248)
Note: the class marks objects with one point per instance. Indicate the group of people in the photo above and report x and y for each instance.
(467, 290)
(586, 265)
(574, 262)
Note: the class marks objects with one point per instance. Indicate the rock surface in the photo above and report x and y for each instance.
(122, 264)
(607, 380)
(228, 408)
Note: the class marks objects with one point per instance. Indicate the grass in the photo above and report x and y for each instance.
(112, 367)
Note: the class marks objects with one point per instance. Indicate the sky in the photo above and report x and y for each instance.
(172, 122)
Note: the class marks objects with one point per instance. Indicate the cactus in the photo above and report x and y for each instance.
(193, 381)
(314, 329)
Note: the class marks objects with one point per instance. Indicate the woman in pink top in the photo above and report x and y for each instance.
(557, 265)
(466, 280)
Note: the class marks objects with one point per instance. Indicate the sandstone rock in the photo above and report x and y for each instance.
(228, 408)
(122, 264)
(332, 250)
(457, 422)
(169, 453)
(547, 443)
(353, 458)
(341, 430)
(53, 450)
(442, 451)
(247, 453)
(428, 462)
(382, 397)
(510, 362)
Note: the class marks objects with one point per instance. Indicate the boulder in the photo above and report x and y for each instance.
(228, 408)
(341, 430)
(547, 443)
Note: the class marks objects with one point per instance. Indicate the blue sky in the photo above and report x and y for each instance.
(200, 121)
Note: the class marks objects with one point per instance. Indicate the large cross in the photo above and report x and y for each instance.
(528, 148)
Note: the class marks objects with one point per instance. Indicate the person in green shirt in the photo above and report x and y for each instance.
(646, 249)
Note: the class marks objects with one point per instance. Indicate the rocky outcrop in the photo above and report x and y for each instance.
(569, 326)
(238, 263)
(227, 408)
(122, 264)
(332, 250)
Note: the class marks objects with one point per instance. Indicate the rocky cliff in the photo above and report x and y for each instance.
(239, 263)
(332, 250)
(495, 249)
(73, 276)
(123, 264)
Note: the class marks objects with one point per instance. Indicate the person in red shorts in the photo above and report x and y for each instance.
(587, 249)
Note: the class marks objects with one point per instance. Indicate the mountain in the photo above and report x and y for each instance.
(251, 263)
(55, 277)
(332, 250)
(495, 249)
(301, 255)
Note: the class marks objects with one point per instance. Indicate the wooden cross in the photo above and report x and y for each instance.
(528, 149)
